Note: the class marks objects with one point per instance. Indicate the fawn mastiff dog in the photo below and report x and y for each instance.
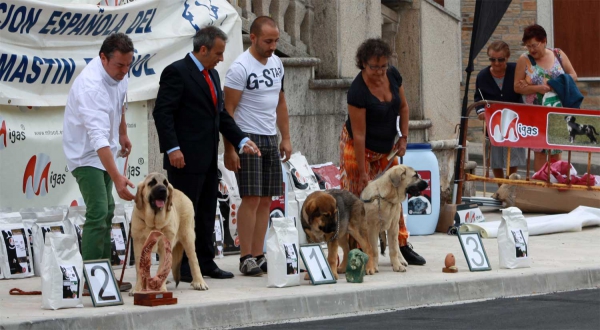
(158, 206)
(383, 199)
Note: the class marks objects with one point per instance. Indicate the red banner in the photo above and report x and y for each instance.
(532, 126)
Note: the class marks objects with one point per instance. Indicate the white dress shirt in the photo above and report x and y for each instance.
(92, 116)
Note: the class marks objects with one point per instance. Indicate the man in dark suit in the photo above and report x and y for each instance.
(189, 115)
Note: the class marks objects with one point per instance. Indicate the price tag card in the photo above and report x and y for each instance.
(474, 251)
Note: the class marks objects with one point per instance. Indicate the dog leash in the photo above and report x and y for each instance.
(126, 260)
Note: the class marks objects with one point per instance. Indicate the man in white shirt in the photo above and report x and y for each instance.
(254, 96)
(93, 128)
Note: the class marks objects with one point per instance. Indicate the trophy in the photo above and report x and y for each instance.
(151, 286)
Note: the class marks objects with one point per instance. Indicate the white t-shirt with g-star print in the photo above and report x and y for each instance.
(260, 85)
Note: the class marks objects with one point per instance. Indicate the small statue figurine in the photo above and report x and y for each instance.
(357, 262)
(450, 262)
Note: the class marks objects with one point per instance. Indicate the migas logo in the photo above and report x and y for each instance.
(503, 126)
(8, 135)
(2, 133)
(196, 12)
(37, 177)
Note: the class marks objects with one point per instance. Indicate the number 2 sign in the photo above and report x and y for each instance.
(101, 283)
(474, 252)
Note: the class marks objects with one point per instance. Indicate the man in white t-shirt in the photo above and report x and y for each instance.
(254, 97)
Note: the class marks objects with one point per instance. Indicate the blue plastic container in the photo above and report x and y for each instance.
(423, 211)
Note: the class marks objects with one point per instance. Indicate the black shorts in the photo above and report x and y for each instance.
(261, 176)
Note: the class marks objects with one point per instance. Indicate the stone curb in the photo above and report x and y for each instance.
(337, 302)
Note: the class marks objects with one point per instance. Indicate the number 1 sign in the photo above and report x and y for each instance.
(474, 252)
(316, 264)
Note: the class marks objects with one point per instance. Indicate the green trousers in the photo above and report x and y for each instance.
(96, 188)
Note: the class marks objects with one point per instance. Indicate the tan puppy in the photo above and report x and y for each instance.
(383, 205)
(329, 216)
(158, 206)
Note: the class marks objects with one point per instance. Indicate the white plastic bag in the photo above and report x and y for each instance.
(48, 221)
(228, 196)
(513, 240)
(283, 253)
(62, 272)
(218, 234)
(15, 247)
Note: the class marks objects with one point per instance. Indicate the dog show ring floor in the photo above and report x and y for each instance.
(560, 262)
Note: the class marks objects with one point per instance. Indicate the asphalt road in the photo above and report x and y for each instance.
(577, 310)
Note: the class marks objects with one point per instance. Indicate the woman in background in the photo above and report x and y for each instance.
(496, 83)
(534, 69)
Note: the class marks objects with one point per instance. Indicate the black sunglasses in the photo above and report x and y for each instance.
(500, 59)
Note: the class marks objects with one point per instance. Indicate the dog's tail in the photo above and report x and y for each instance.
(177, 254)
(592, 128)
(382, 242)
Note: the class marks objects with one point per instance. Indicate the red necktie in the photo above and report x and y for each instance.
(211, 86)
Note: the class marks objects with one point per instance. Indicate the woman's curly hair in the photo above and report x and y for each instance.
(374, 47)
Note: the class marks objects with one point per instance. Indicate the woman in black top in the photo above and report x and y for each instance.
(375, 100)
(496, 83)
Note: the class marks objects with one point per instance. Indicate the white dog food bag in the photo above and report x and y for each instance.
(283, 253)
(118, 237)
(513, 240)
(17, 261)
(229, 199)
(76, 216)
(62, 272)
(46, 222)
(29, 216)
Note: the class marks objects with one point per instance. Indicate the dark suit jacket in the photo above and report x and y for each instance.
(185, 116)
(486, 83)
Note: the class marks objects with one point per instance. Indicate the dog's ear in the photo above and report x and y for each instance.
(139, 196)
(397, 176)
(169, 197)
(308, 209)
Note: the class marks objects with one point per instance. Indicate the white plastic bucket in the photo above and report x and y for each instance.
(424, 210)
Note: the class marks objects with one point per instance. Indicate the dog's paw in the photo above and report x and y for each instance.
(371, 271)
(199, 285)
(337, 277)
(341, 270)
(404, 263)
(306, 276)
(399, 268)
(131, 293)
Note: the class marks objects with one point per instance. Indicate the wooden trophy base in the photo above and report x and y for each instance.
(451, 269)
(154, 299)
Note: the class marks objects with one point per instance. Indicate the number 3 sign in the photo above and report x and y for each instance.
(474, 252)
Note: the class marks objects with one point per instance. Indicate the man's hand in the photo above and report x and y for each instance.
(363, 181)
(481, 116)
(231, 160)
(121, 183)
(251, 148)
(125, 145)
(176, 159)
(285, 150)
